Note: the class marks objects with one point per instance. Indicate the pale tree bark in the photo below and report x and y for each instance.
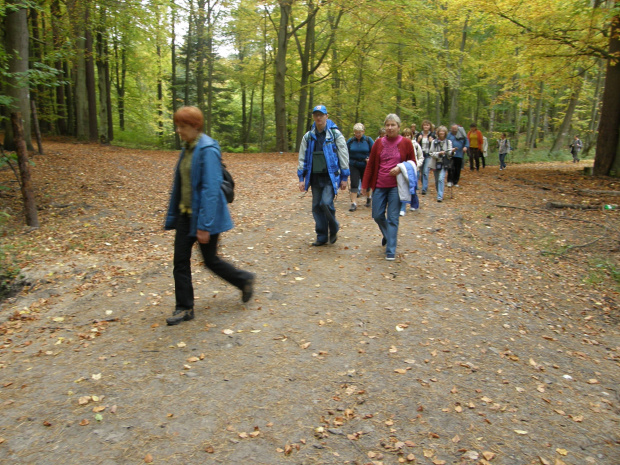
(89, 57)
(16, 46)
(279, 83)
(559, 142)
(454, 100)
(102, 67)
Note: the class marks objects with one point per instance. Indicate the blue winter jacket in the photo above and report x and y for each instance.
(336, 155)
(209, 207)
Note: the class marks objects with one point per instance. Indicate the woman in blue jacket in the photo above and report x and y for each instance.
(199, 212)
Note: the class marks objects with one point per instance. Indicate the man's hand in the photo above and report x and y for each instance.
(464, 149)
(343, 185)
(302, 186)
(203, 236)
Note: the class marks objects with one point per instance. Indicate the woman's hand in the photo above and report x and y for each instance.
(395, 171)
(203, 236)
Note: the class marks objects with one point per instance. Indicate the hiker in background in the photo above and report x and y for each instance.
(425, 137)
(380, 175)
(414, 131)
(441, 154)
(459, 140)
(199, 212)
(414, 203)
(323, 165)
(485, 149)
(575, 148)
(503, 147)
(475, 146)
(359, 147)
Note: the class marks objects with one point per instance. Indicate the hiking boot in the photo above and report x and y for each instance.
(180, 315)
(247, 290)
(368, 200)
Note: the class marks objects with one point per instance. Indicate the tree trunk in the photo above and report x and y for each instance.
(607, 158)
(173, 77)
(454, 103)
(307, 68)
(200, 55)
(559, 143)
(399, 73)
(93, 129)
(30, 207)
(279, 88)
(16, 44)
(61, 113)
(35, 122)
(102, 65)
(536, 129)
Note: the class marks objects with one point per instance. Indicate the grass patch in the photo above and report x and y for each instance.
(602, 271)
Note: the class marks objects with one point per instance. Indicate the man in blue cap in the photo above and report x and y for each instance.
(323, 165)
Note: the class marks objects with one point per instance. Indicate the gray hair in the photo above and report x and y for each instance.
(359, 127)
(392, 117)
(442, 128)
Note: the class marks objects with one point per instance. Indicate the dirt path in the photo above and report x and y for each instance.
(492, 338)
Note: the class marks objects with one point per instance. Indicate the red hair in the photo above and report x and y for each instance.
(192, 116)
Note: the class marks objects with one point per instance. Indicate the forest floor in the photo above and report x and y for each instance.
(493, 337)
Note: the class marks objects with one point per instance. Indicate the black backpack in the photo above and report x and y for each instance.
(228, 184)
(366, 138)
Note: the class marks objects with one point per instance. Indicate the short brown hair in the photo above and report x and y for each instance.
(192, 116)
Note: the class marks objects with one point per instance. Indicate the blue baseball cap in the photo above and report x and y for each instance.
(320, 108)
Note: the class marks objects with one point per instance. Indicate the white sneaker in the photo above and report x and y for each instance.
(450, 184)
(412, 209)
(402, 213)
(456, 185)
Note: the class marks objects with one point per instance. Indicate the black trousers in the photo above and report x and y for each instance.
(182, 272)
(474, 155)
(455, 173)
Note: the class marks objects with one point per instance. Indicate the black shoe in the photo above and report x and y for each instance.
(353, 207)
(180, 315)
(423, 192)
(383, 241)
(247, 290)
(333, 238)
(318, 244)
(368, 202)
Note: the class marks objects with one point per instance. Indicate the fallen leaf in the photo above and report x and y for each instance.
(84, 400)
(401, 371)
(148, 458)
(428, 452)
(84, 422)
(471, 455)
(228, 331)
(489, 455)
(181, 344)
(113, 409)
(305, 345)
(520, 431)
(243, 435)
(562, 451)
(193, 359)
(59, 319)
(544, 461)
(411, 457)
(456, 439)
(593, 381)
(2, 440)
(99, 408)
(98, 417)
(439, 462)
(209, 450)
(96, 376)
(47, 423)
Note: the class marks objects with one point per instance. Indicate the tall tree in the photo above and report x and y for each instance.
(16, 45)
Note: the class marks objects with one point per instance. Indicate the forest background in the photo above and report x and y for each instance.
(117, 70)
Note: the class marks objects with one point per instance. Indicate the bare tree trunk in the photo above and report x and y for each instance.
(56, 18)
(568, 116)
(279, 92)
(102, 64)
(454, 103)
(93, 129)
(536, 129)
(37, 131)
(173, 77)
(607, 158)
(16, 39)
(30, 207)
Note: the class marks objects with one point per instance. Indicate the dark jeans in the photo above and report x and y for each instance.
(455, 173)
(502, 160)
(323, 208)
(474, 154)
(182, 272)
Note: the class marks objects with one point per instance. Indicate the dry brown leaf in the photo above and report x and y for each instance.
(209, 450)
(488, 455)
(84, 422)
(148, 458)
